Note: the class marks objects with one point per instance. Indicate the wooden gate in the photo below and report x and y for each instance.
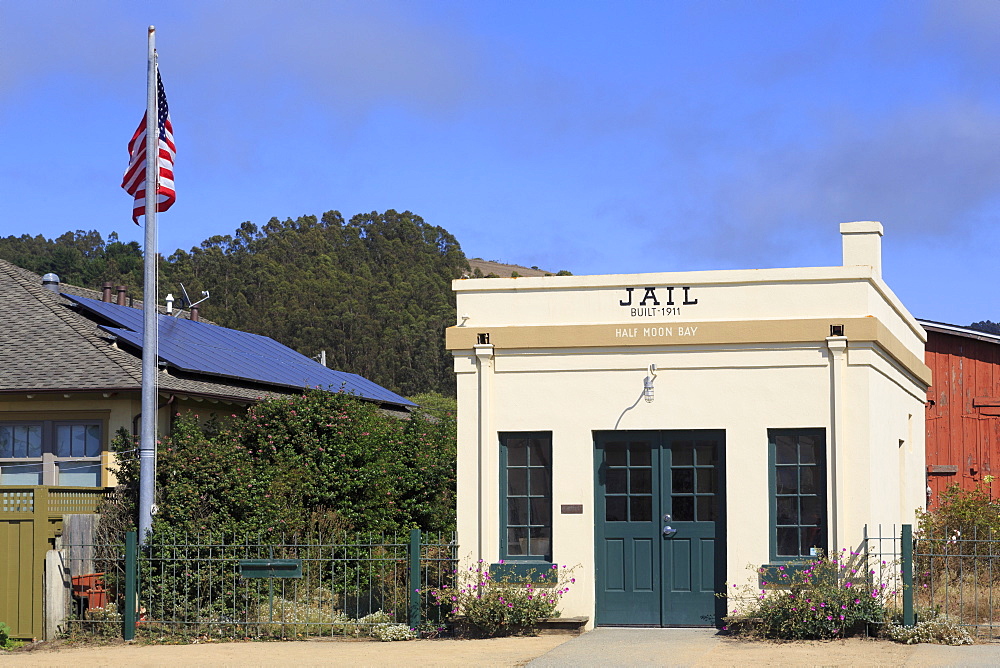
(30, 521)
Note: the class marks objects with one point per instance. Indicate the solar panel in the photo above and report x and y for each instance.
(199, 347)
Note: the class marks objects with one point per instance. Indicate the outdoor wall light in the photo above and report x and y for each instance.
(647, 384)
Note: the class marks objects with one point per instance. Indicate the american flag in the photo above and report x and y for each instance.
(134, 182)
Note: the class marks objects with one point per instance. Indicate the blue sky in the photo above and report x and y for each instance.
(598, 137)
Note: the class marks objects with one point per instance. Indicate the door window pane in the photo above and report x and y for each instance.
(707, 508)
(683, 507)
(639, 454)
(617, 481)
(615, 454)
(642, 508)
(683, 481)
(616, 509)
(641, 481)
(682, 454)
(706, 454)
(707, 480)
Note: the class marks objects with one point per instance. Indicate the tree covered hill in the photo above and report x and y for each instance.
(374, 292)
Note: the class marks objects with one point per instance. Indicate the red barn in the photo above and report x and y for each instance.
(963, 409)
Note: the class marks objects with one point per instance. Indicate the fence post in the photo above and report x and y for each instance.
(131, 573)
(414, 578)
(907, 563)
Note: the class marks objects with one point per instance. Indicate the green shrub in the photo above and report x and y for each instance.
(505, 606)
(828, 598)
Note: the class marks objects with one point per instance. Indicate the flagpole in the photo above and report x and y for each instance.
(150, 343)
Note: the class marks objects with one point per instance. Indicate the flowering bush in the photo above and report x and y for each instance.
(390, 632)
(506, 605)
(829, 598)
(933, 627)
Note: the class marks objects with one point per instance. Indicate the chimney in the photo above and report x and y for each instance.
(120, 289)
(106, 292)
(194, 313)
(50, 281)
(863, 245)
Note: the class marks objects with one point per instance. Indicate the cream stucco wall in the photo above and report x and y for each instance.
(754, 353)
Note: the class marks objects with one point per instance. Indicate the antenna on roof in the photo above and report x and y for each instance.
(185, 301)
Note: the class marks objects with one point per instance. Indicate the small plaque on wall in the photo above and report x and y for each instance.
(571, 509)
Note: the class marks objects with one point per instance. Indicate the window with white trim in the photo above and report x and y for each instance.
(65, 453)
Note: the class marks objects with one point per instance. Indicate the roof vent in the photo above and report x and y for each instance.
(50, 281)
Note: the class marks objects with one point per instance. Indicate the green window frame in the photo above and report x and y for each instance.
(526, 496)
(798, 493)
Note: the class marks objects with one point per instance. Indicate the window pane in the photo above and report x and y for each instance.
(27, 441)
(683, 480)
(617, 481)
(706, 453)
(64, 441)
(642, 508)
(683, 507)
(93, 444)
(683, 454)
(615, 454)
(541, 511)
(807, 450)
(6, 441)
(540, 482)
(641, 481)
(517, 541)
(786, 478)
(517, 452)
(541, 541)
(707, 480)
(785, 450)
(517, 482)
(540, 452)
(809, 480)
(812, 537)
(707, 508)
(20, 473)
(82, 474)
(813, 509)
(615, 509)
(787, 507)
(788, 542)
(639, 454)
(517, 511)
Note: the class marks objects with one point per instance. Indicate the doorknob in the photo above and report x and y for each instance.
(669, 531)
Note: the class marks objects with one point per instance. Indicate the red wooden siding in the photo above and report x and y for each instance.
(963, 412)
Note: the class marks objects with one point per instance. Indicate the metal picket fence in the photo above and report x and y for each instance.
(255, 587)
(945, 573)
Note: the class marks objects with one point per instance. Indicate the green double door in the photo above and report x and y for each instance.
(660, 527)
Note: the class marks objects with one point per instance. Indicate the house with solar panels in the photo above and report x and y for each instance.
(71, 376)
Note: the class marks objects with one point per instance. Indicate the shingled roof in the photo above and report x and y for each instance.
(48, 345)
